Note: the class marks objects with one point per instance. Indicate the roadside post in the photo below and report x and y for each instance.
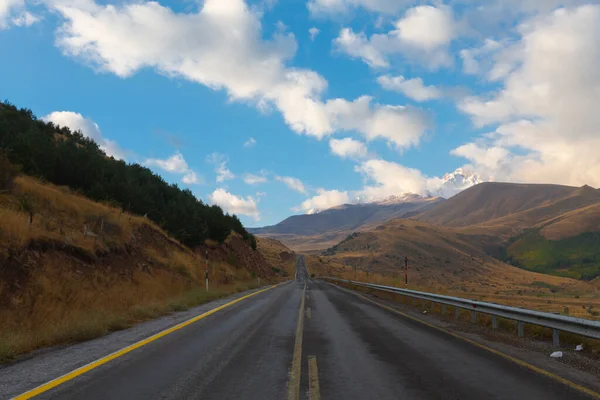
(207, 270)
(406, 271)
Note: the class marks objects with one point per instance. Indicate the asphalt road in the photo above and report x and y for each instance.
(337, 346)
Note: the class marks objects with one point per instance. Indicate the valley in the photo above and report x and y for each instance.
(526, 245)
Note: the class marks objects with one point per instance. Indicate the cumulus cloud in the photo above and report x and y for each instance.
(293, 183)
(386, 178)
(313, 33)
(13, 12)
(221, 169)
(412, 88)
(89, 129)
(548, 125)
(250, 143)
(202, 47)
(235, 204)
(348, 148)
(254, 179)
(423, 35)
(191, 178)
(176, 164)
(323, 200)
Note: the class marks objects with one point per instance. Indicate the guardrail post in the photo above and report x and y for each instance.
(556, 338)
(456, 313)
(494, 322)
(520, 329)
(423, 304)
(443, 309)
(473, 317)
(414, 301)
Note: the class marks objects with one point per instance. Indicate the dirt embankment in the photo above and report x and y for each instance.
(72, 269)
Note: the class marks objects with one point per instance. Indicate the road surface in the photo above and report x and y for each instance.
(308, 340)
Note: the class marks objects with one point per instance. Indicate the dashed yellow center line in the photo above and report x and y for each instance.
(314, 392)
(294, 382)
(95, 364)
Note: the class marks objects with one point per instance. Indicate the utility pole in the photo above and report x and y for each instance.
(207, 270)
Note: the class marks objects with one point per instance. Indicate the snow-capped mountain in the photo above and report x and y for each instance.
(455, 182)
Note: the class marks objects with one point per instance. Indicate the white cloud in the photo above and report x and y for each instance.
(293, 183)
(176, 164)
(323, 200)
(313, 33)
(348, 147)
(386, 178)
(399, 125)
(549, 124)
(250, 142)
(422, 35)
(253, 179)
(412, 88)
(25, 19)
(390, 179)
(235, 204)
(191, 178)
(89, 129)
(14, 12)
(220, 162)
(202, 47)
(336, 7)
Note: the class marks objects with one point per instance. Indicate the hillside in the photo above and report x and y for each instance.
(491, 201)
(452, 261)
(281, 259)
(68, 158)
(72, 269)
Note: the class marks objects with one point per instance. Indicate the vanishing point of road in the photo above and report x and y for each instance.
(308, 339)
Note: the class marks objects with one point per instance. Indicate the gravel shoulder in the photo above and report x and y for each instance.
(44, 365)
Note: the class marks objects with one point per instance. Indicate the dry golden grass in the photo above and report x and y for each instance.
(82, 269)
(277, 254)
(62, 306)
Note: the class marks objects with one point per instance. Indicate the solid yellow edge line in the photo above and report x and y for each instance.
(550, 375)
(296, 370)
(95, 364)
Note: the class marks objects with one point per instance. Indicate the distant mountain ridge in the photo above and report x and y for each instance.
(351, 216)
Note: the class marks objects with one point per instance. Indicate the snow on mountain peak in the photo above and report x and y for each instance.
(455, 182)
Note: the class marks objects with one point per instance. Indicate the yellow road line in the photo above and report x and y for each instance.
(294, 383)
(95, 364)
(550, 375)
(308, 313)
(314, 392)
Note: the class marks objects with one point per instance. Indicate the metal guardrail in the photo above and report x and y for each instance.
(556, 322)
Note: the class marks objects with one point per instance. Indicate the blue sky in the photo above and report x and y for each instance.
(236, 101)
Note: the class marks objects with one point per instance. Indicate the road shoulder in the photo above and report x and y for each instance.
(573, 367)
(45, 365)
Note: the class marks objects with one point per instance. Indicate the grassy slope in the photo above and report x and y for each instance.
(59, 284)
(280, 257)
(576, 256)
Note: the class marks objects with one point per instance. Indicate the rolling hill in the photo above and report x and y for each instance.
(491, 201)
